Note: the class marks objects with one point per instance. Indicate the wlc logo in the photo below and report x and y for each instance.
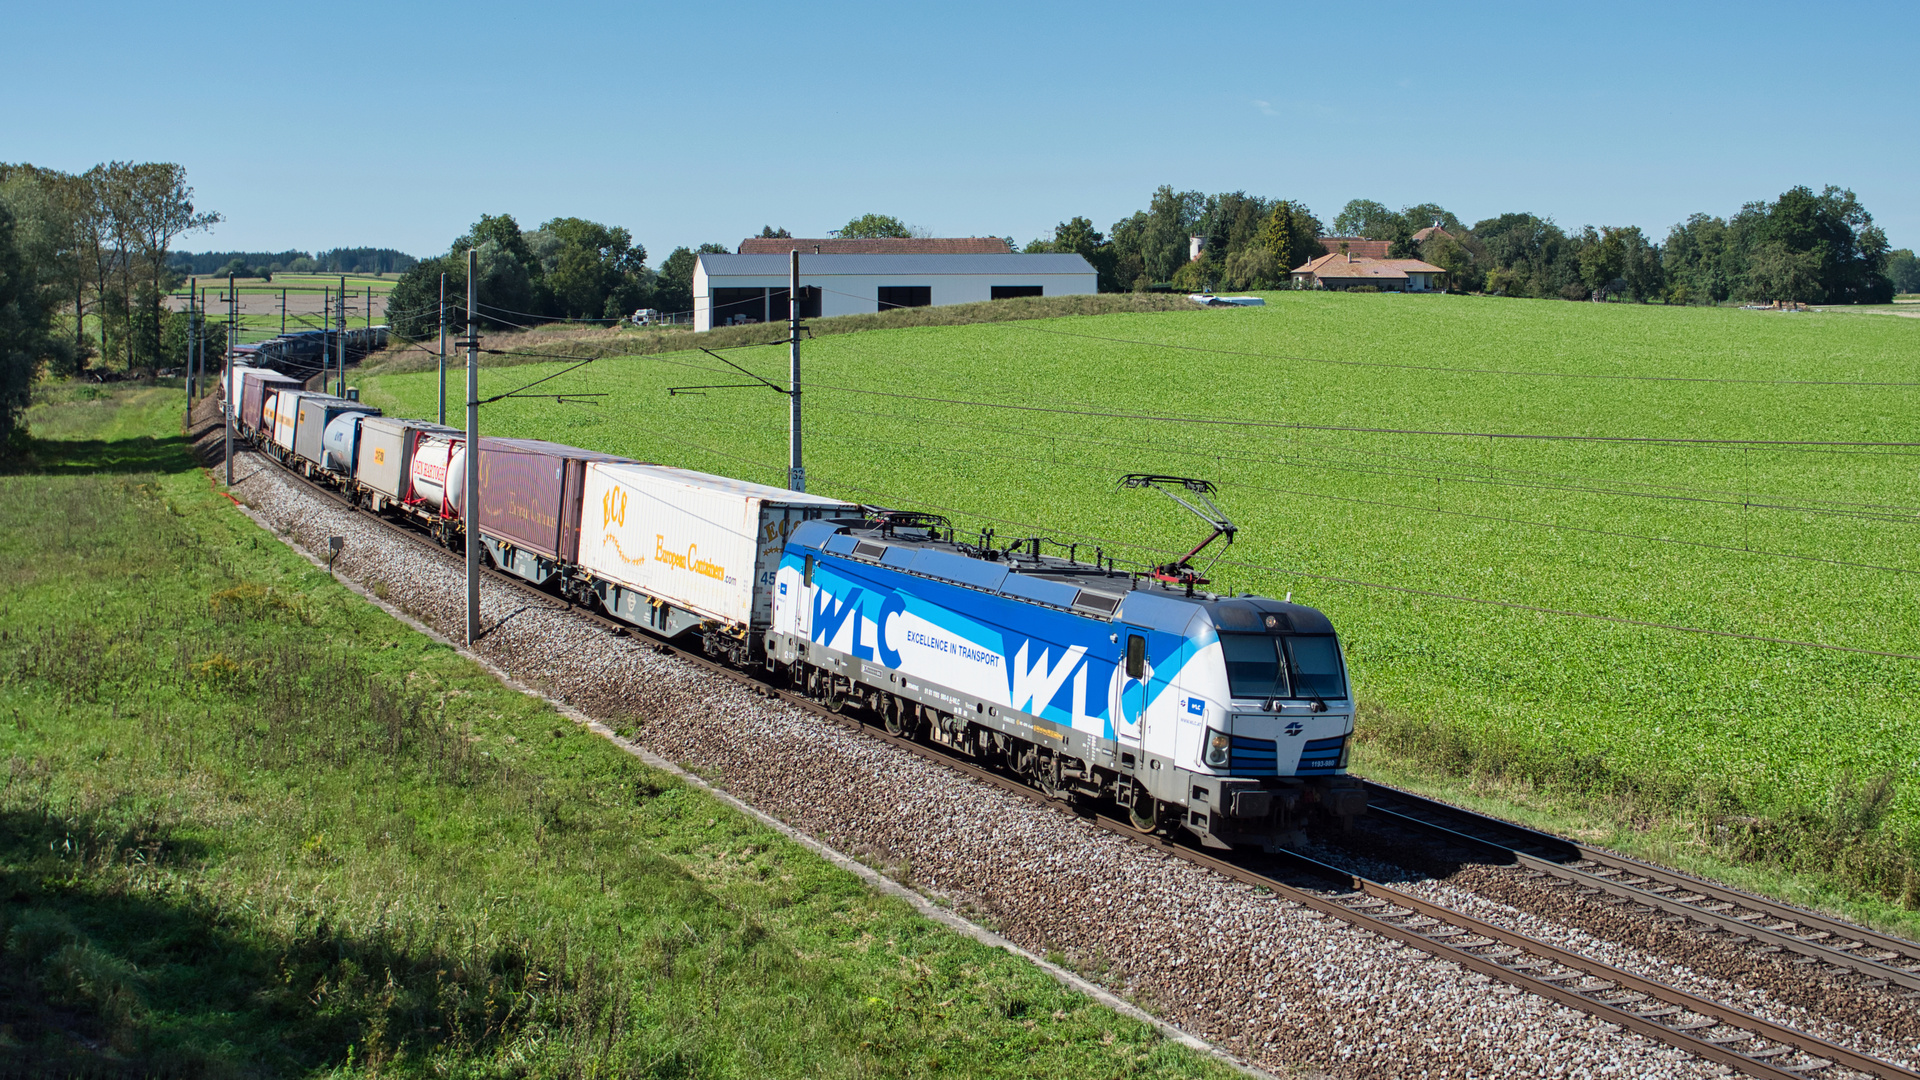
(613, 508)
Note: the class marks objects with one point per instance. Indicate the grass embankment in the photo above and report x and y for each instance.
(251, 826)
(1796, 763)
(621, 340)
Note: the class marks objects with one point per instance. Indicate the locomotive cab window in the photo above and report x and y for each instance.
(1136, 656)
(1294, 666)
(1254, 666)
(1316, 666)
(808, 573)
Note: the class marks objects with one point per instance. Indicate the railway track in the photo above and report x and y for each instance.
(1705, 1028)
(1843, 947)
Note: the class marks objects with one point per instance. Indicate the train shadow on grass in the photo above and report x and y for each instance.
(81, 457)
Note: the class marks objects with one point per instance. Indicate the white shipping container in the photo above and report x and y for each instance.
(708, 544)
(279, 415)
(231, 383)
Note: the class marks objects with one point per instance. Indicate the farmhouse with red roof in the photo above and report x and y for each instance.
(1347, 270)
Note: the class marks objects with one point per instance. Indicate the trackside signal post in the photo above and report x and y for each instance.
(471, 499)
(193, 335)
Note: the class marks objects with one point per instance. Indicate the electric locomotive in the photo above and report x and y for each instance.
(1226, 717)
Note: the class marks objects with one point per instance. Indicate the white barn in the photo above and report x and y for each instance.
(733, 288)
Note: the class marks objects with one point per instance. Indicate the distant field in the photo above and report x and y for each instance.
(1770, 751)
(298, 281)
(297, 303)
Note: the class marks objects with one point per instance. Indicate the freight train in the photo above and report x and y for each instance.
(1226, 718)
(306, 353)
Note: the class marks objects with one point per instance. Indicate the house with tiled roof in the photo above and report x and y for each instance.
(1344, 270)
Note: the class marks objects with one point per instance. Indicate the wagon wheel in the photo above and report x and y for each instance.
(893, 716)
(1144, 815)
(832, 695)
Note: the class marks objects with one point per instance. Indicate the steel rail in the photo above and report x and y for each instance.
(1509, 957)
(1798, 930)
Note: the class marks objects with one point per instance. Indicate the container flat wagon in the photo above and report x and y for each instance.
(314, 414)
(531, 504)
(674, 550)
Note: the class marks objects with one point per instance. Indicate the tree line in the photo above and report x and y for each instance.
(568, 268)
(92, 250)
(1820, 248)
(265, 264)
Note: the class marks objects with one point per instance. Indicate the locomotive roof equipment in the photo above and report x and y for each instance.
(1181, 571)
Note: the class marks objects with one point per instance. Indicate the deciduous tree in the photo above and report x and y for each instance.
(874, 227)
(24, 337)
(1904, 270)
(1364, 217)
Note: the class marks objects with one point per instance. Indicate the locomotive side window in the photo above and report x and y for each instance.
(1136, 656)
(1316, 666)
(1255, 666)
(809, 572)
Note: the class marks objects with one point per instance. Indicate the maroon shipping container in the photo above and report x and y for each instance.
(530, 494)
(255, 387)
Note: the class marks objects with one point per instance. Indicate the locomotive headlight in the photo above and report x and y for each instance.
(1218, 749)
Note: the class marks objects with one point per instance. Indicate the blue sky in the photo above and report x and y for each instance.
(398, 124)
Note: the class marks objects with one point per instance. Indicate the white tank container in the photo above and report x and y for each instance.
(380, 455)
(341, 439)
(438, 472)
(708, 544)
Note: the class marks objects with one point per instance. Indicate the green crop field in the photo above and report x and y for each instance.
(1351, 437)
(252, 826)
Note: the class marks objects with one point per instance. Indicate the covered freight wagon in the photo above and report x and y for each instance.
(530, 503)
(672, 549)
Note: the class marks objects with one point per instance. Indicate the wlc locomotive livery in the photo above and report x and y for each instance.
(1226, 718)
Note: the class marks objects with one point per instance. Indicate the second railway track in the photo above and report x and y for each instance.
(1698, 1025)
(1880, 959)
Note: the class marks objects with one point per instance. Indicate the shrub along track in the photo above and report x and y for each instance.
(1192, 993)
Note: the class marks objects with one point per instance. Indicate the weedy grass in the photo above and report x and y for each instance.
(250, 825)
(1351, 440)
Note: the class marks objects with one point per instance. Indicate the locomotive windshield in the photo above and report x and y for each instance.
(1301, 666)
